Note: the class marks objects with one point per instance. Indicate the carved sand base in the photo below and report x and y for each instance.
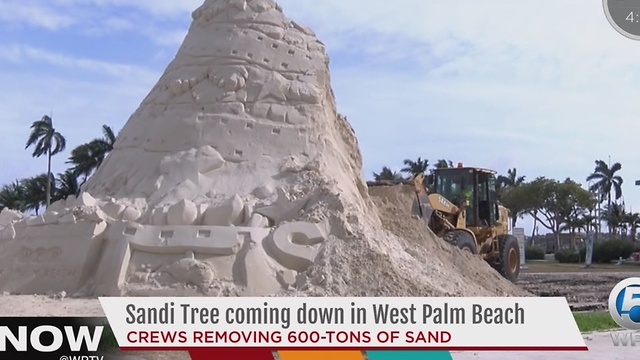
(81, 250)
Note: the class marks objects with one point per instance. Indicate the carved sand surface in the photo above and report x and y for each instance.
(235, 177)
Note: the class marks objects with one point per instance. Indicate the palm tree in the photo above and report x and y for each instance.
(86, 158)
(47, 141)
(443, 164)
(386, 174)
(606, 180)
(511, 181)
(35, 191)
(615, 215)
(573, 223)
(414, 168)
(67, 185)
(12, 196)
(632, 221)
(589, 222)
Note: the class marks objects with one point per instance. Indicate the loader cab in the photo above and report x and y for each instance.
(477, 186)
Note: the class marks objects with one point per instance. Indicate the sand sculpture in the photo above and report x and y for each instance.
(235, 176)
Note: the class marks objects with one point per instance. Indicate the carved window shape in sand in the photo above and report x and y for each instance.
(130, 231)
(166, 234)
(204, 233)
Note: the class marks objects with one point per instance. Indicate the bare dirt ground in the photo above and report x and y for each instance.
(585, 291)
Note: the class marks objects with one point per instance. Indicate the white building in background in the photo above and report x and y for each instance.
(519, 234)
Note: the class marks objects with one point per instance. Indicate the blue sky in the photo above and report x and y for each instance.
(544, 86)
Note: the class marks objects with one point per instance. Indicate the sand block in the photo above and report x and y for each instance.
(113, 209)
(51, 217)
(226, 214)
(131, 214)
(85, 199)
(50, 258)
(8, 216)
(57, 206)
(159, 216)
(125, 237)
(183, 213)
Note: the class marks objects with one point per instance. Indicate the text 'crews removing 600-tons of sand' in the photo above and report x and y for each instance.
(379, 314)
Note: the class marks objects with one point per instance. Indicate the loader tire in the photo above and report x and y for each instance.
(463, 240)
(509, 262)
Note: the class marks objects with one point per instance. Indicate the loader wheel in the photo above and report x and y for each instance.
(509, 265)
(463, 240)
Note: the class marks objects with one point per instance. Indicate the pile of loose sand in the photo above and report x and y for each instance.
(404, 259)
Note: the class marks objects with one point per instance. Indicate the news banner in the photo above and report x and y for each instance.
(255, 328)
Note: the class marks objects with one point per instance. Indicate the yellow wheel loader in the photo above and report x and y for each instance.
(460, 205)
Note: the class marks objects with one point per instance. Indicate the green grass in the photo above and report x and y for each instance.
(588, 322)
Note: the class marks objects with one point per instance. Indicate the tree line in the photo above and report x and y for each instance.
(39, 191)
(560, 206)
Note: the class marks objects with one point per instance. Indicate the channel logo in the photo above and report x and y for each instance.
(51, 338)
(624, 303)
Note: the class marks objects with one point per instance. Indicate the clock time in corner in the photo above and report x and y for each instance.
(633, 17)
(624, 17)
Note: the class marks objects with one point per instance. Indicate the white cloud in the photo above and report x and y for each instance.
(37, 14)
(160, 8)
(19, 53)
(160, 21)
